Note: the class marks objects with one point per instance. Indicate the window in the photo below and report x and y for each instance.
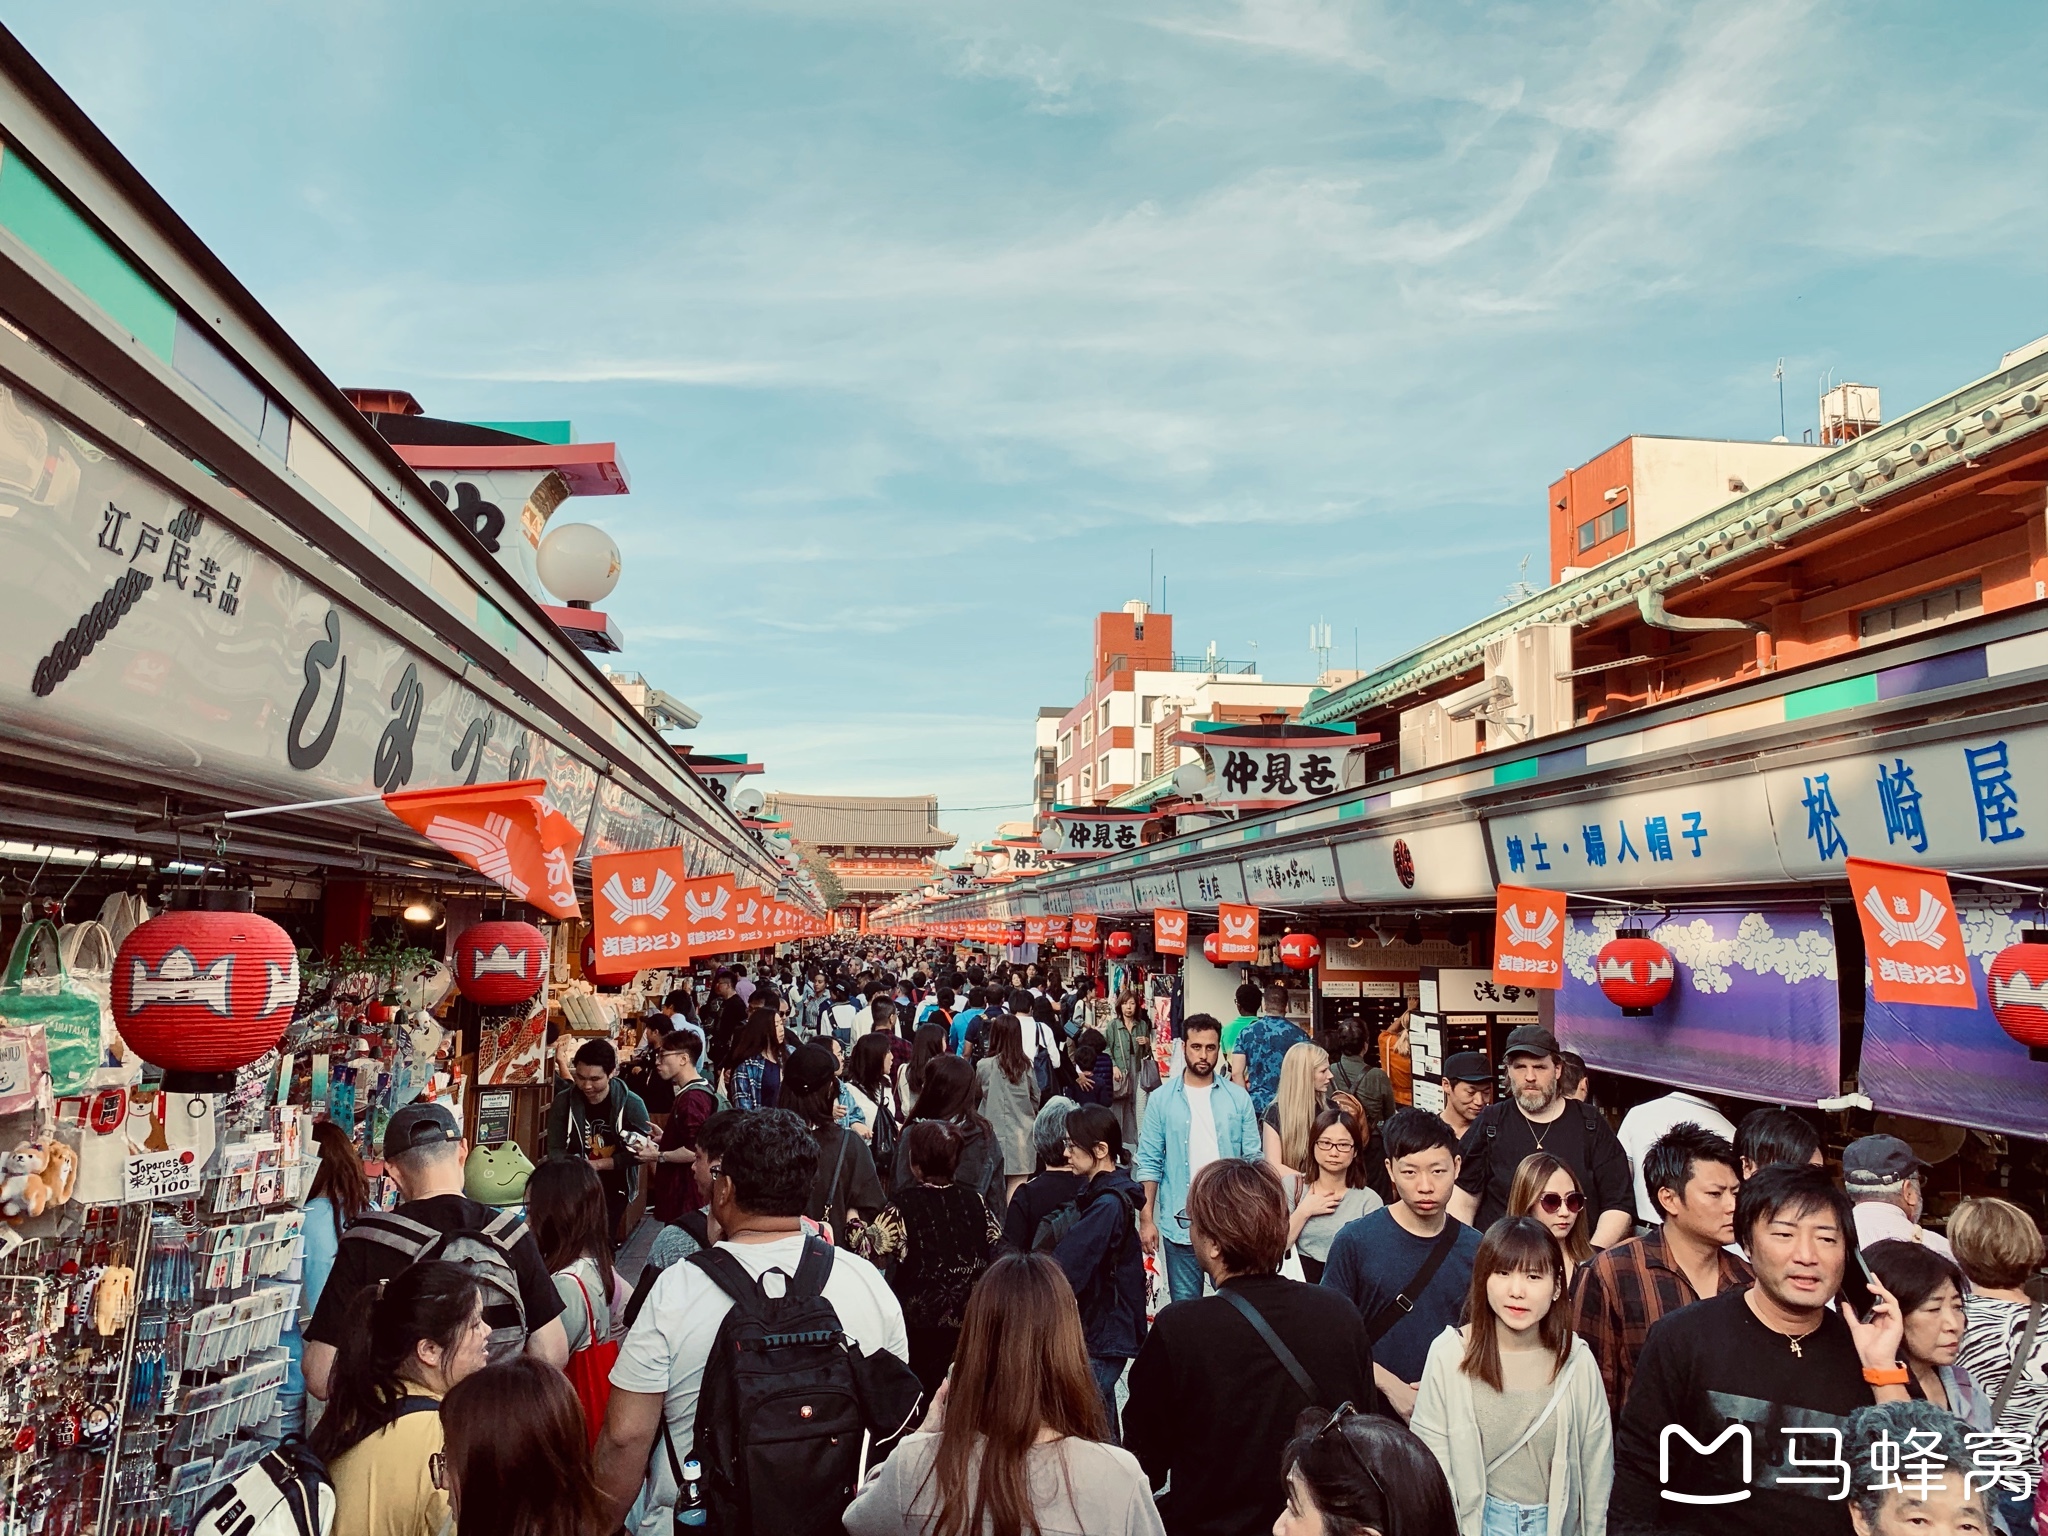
(1102, 719)
(1066, 746)
(1926, 611)
(1087, 728)
(1145, 707)
(1604, 527)
(1087, 779)
(1144, 766)
(1102, 778)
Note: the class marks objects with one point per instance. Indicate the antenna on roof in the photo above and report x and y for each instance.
(1778, 373)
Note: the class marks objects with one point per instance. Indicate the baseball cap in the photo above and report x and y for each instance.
(1530, 1040)
(420, 1125)
(809, 1068)
(1467, 1067)
(1878, 1162)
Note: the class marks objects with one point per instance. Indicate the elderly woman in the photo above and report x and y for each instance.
(1936, 1495)
(1997, 1247)
(1051, 1186)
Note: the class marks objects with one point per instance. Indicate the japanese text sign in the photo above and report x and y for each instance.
(510, 833)
(1266, 774)
(1528, 937)
(1237, 932)
(172, 1175)
(1911, 936)
(1087, 837)
(750, 917)
(1169, 931)
(1082, 933)
(1034, 930)
(637, 910)
(709, 924)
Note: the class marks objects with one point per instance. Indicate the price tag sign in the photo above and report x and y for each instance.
(161, 1176)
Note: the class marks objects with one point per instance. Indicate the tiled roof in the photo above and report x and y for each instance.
(857, 821)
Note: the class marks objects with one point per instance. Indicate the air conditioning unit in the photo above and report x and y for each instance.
(1531, 696)
(1431, 734)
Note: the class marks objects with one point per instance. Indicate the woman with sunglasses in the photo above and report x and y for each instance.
(1548, 1190)
(1328, 1191)
(1513, 1404)
(1357, 1474)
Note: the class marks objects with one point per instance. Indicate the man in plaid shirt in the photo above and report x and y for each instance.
(1692, 1176)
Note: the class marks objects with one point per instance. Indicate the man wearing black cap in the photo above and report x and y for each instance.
(1883, 1177)
(1468, 1089)
(424, 1151)
(1539, 1118)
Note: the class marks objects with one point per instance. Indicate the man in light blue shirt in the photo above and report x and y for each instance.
(977, 998)
(1192, 1120)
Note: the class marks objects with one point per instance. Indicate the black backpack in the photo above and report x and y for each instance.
(886, 1131)
(792, 1412)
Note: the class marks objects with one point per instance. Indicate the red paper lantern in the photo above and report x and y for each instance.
(603, 977)
(1300, 951)
(203, 993)
(1212, 948)
(1635, 971)
(1119, 944)
(501, 964)
(2018, 983)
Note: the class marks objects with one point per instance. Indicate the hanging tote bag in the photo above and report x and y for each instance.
(590, 1368)
(69, 1014)
(88, 951)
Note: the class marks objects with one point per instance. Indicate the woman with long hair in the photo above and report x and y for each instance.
(927, 1046)
(1014, 1440)
(1304, 1094)
(1512, 1404)
(1358, 1474)
(756, 1075)
(515, 1462)
(867, 1075)
(340, 1194)
(1328, 1190)
(409, 1341)
(952, 1092)
(846, 1190)
(1127, 1032)
(566, 1213)
(933, 1241)
(1009, 1097)
(1547, 1189)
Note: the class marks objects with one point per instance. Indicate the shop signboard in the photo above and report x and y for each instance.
(1154, 891)
(624, 823)
(1112, 896)
(147, 633)
(1059, 901)
(1714, 832)
(1299, 877)
(1463, 990)
(1210, 886)
(1253, 772)
(1973, 801)
(1091, 834)
(1444, 862)
(1756, 1010)
(493, 1116)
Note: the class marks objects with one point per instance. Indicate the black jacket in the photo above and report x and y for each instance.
(1211, 1404)
(1105, 1264)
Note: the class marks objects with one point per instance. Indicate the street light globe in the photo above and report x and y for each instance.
(578, 563)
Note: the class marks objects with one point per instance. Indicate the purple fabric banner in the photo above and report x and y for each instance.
(1952, 1065)
(1754, 1012)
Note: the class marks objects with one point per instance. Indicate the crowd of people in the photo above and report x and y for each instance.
(944, 1252)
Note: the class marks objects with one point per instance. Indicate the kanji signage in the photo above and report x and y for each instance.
(1211, 886)
(1528, 937)
(1911, 937)
(709, 924)
(636, 910)
(1299, 877)
(1237, 932)
(1711, 833)
(1255, 768)
(1156, 891)
(1169, 931)
(1090, 834)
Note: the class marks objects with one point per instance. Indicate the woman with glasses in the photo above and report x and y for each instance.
(1548, 1190)
(1512, 1403)
(1357, 1474)
(1328, 1191)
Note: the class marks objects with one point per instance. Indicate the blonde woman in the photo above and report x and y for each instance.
(1304, 1094)
(1548, 1190)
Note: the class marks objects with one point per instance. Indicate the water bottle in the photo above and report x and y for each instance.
(691, 1515)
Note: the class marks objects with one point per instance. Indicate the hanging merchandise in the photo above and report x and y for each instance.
(1636, 972)
(201, 993)
(68, 1013)
(500, 964)
(1300, 951)
(2018, 982)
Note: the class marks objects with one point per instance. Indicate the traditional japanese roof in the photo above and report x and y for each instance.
(862, 821)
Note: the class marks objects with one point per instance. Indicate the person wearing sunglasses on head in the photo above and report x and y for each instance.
(1548, 1190)
(1512, 1403)
(1356, 1474)
(1622, 1292)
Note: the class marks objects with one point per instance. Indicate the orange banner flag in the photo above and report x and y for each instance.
(1910, 935)
(510, 833)
(1528, 937)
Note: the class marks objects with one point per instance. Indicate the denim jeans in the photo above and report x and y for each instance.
(1183, 1270)
(1107, 1373)
(1504, 1519)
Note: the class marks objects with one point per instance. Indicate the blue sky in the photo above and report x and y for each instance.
(920, 325)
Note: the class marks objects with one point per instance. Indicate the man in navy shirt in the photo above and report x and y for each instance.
(1412, 1249)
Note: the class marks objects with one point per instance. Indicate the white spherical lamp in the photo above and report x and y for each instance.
(578, 563)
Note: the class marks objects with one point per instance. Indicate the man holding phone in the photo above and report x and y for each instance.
(1752, 1388)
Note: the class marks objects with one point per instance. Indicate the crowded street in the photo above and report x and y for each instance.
(1579, 1069)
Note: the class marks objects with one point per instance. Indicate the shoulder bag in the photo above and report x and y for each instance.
(2020, 1357)
(1382, 1321)
(1281, 1352)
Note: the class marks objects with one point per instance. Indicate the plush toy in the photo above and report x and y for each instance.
(497, 1175)
(34, 1177)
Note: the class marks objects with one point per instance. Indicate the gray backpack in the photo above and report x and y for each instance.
(486, 1252)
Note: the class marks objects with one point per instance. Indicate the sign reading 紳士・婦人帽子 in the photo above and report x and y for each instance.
(1911, 938)
(637, 910)
(1528, 937)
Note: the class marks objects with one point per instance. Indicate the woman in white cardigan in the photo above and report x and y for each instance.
(1512, 1403)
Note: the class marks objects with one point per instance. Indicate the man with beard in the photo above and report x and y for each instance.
(1539, 1118)
(1191, 1120)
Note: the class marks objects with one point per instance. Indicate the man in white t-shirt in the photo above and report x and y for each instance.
(759, 1188)
(1190, 1121)
(1648, 1123)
